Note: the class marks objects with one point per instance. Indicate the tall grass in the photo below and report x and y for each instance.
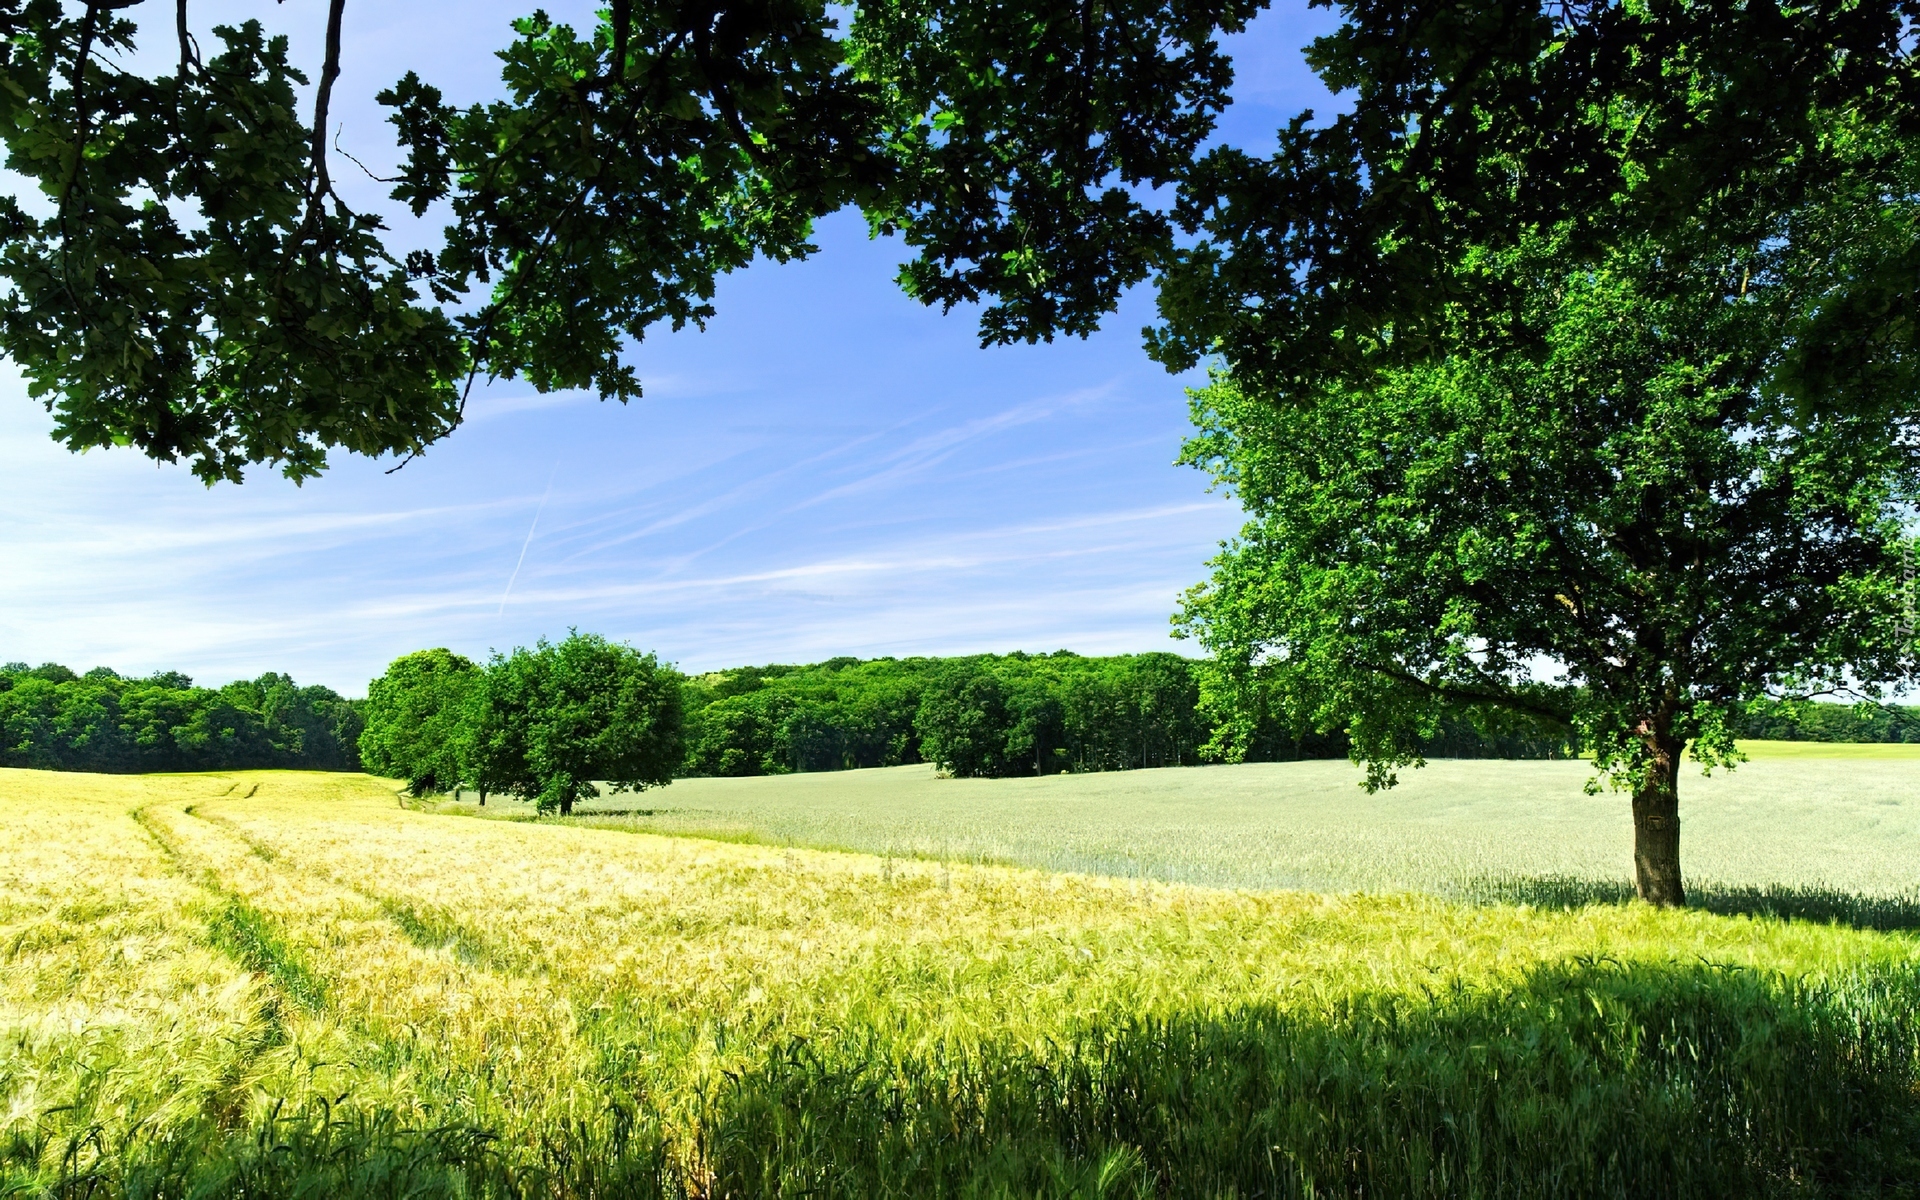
(311, 991)
(1588, 1079)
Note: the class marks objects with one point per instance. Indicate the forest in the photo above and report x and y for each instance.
(980, 715)
(53, 718)
(1000, 715)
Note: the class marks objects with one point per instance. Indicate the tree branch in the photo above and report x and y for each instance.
(363, 167)
(622, 17)
(320, 184)
(189, 53)
(83, 125)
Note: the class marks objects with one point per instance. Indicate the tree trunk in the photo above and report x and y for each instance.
(483, 797)
(1656, 818)
(566, 807)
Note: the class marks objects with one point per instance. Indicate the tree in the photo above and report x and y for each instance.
(583, 710)
(417, 720)
(1613, 475)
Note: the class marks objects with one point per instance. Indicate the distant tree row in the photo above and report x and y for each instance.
(978, 716)
(539, 724)
(52, 718)
(1020, 714)
(542, 723)
(1000, 715)
(1834, 723)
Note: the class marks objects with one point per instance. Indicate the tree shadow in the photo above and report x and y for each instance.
(1587, 1078)
(1786, 902)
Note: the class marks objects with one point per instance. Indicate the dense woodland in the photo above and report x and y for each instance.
(980, 715)
(983, 715)
(996, 715)
(55, 719)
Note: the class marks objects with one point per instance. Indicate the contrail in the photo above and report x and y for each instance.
(523, 545)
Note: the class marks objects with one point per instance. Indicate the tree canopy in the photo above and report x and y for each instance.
(189, 281)
(560, 717)
(417, 720)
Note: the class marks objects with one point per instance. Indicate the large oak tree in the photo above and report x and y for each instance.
(1598, 512)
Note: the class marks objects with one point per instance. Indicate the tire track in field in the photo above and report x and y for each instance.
(249, 937)
(490, 967)
(611, 1048)
(430, 928)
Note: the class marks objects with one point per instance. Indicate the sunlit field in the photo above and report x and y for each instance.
(272, 983)
(1807, 819)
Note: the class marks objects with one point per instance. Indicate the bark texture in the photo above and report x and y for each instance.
(1656, 822)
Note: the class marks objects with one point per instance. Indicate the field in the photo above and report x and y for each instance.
(270, 984)
(1801, 819)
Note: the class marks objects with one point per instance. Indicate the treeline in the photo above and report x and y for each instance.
(1038, 714)
(982, 715)
(542, 723)
(994, 716)
(1835, 723)
(52, 718)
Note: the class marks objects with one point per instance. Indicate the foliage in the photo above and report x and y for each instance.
(979, 715)
(839, 714)
(1480, 128)
(200, 291)
(561, 717)
(1040, 715)
(53, 719)
(187, 282)
(419, 726)
(1804, 722)
(1614, 489)
(487, 1014)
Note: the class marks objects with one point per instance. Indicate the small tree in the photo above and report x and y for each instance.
(417, 720)
(559, 717)
(1605, 476)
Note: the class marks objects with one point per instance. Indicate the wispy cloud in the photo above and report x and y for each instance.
(930, 450)
(829, 470)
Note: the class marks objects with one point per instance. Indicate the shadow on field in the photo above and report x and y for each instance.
(1589, 1078)
(1786, 902)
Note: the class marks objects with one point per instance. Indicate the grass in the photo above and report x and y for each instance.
(1851, 751)
(274, 984)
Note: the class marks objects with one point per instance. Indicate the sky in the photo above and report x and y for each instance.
(828, 468)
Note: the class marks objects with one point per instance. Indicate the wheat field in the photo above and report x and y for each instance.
(1798, 817)
(279, 983)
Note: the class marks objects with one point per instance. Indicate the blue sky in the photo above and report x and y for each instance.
(828, 469)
